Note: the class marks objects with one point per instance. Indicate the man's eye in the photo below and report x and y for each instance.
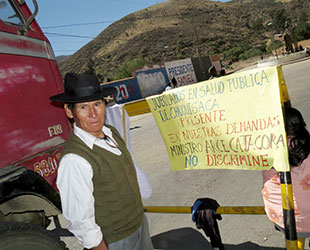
(98, 104)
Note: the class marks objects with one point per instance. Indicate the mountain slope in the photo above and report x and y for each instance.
(178, 29)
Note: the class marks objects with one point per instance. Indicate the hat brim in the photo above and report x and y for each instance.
(107, 91)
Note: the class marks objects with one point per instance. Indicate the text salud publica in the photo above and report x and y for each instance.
(204, 116)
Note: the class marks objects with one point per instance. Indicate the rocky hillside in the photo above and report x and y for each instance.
(178, 29)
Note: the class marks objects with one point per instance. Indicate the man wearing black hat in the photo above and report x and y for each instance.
(96, 178)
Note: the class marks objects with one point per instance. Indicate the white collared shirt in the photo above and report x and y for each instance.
(74, 181)
(90, 140)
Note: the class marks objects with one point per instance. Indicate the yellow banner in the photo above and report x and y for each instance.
(231, 122)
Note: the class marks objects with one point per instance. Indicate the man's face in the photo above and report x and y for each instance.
(89, 116)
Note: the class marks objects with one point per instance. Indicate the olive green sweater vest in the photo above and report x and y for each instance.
(118, 205)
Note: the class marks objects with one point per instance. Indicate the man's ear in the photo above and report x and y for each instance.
(68, 111)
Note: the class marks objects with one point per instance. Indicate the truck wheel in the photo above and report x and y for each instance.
(22, 236)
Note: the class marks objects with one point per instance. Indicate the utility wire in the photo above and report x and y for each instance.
(81, 24)
(67, 35)
(63, 50)
(77, 24)
(92, 23)
(78, 36)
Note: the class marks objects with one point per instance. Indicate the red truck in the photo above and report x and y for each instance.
(32, 132)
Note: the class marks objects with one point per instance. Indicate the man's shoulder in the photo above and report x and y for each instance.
(73, 144)
(74, 139)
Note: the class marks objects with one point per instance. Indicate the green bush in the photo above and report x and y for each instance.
(235, 52)
(180, 55)
(250, 53)
(279, 18)
(126, 69)
(263, 47)
(258, 24)
(302, 30)
(274, 45)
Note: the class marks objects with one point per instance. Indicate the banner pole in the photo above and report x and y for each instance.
(288, 211)
(124, 124)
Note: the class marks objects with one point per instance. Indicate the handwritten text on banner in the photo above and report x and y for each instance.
(232, 122)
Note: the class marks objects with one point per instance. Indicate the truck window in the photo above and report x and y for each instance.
(8, 14)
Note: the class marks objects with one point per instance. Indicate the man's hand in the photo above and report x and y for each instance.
(101, 246)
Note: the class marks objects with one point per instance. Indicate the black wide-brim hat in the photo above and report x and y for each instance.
(83, 87)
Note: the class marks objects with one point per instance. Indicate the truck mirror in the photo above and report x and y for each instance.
(26, 26)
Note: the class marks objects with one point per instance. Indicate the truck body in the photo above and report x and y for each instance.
(32, 129)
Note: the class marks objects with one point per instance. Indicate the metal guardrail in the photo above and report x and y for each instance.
(137, 107)
(220, 210)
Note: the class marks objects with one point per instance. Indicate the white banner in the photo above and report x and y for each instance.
(182, 71)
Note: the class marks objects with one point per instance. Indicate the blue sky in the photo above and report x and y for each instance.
(68, 12)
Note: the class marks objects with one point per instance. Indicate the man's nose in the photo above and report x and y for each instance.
(92, 112)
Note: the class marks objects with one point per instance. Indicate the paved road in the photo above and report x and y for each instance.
(297, 76)
(228, 187)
